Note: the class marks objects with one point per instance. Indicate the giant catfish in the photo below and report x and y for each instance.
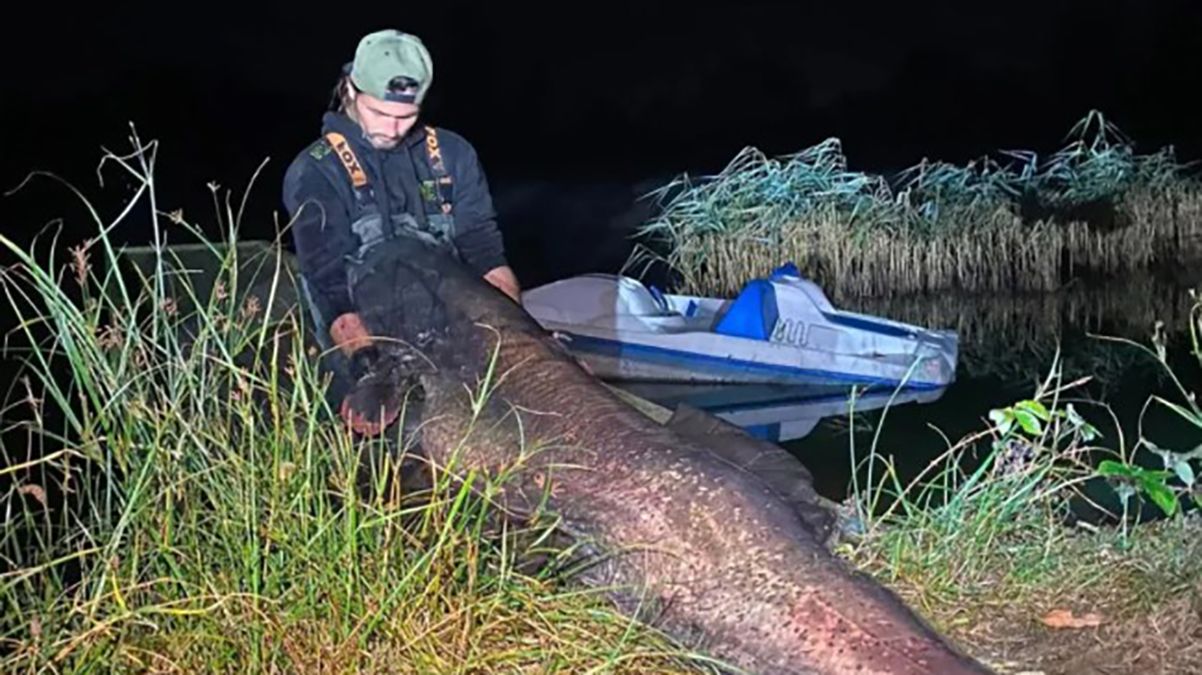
(727, 564)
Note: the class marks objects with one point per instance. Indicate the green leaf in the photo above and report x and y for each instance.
(1003, 420)
(1035, 408)
(1109, 467)
(1184, 471)
(1073, 416)
(1162, 495)
(1157, 475)
(1089, 432)
(1029, 422)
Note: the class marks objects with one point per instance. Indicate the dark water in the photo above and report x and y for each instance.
(1008, 348)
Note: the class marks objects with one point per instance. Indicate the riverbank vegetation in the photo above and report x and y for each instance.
(177, 496)
(1043, 544)
(1018, 222)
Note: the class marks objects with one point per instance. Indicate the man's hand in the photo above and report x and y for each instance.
(349, 333)
(503, 278)
(373, 403)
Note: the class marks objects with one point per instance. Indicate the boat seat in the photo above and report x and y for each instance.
(603, 300)
(753, 313)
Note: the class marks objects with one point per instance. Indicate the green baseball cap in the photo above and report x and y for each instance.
(393, 66)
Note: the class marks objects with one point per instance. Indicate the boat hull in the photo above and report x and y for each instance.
(718, 359)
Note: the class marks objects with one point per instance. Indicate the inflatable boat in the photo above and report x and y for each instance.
(781, 329)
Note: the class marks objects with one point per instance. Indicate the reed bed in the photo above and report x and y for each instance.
(1093, 207)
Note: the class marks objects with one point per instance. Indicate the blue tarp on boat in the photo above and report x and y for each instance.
(788, 269)
(753, 314)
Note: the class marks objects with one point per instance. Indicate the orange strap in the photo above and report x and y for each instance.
(443, 179)
(348, 159)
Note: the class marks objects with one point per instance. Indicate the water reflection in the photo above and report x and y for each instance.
(778, 413)
(1015, 336)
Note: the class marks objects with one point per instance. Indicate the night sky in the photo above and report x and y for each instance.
(570, 107)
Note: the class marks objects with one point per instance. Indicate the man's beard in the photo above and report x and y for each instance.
(381, 142)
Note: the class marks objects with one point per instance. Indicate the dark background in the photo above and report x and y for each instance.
(570, 108)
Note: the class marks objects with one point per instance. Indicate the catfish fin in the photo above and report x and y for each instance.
(781, 471)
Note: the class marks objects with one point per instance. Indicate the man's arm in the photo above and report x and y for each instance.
(321, 232)
(477, 235)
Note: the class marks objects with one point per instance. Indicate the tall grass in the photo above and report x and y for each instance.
(1095, 205)
(1037, 513)
(187, 501)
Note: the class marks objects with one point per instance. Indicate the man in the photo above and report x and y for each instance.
(375, 174)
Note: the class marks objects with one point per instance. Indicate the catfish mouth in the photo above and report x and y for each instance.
(396, 286)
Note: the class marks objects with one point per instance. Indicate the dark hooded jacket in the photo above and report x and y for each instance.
(322, 203)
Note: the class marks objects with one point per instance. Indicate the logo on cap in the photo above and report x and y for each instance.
(402, 88)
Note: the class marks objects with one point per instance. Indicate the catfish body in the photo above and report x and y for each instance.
(695, 543)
